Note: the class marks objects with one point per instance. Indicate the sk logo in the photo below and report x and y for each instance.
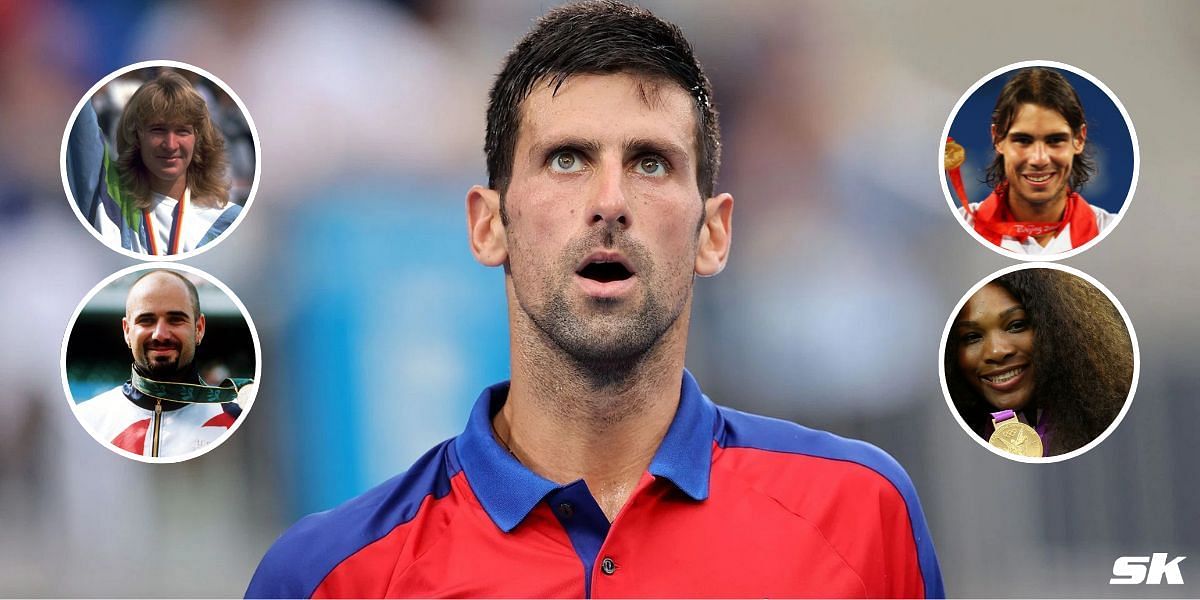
(1133, 570)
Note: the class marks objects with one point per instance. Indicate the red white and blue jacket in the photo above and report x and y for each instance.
(732, 505)
(139, 424)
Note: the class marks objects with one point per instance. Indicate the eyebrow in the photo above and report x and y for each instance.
(590, 146)
(1013, 132)
(170, 313)
(540, 149)
(654, 146)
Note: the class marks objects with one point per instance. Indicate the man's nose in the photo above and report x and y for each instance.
(162, 330)
(608, 203)
(1041, 154)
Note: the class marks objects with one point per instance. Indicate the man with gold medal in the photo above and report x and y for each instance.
(1039, 132)
(165, 409)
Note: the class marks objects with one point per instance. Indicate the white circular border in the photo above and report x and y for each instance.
(245, 316)
(1137, 161)
(62, 166)
(1137, 363)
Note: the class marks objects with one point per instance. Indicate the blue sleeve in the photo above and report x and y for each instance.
(275, 576)
(85, 160)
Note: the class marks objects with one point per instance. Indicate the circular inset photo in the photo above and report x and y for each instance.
(160, 364)
(1039, 160)
(160, 159)
(1039, 362)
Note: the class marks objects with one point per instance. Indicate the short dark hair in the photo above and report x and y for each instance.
(1047, 88)
(193, 294)
(602, 36)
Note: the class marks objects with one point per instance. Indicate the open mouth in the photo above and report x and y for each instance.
(605, 272)
(1039, 177)
(1004, 377)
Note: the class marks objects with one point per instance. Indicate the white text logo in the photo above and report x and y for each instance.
(1133, 569)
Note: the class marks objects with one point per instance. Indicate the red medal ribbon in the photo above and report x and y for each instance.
(994, 220)
(176, 228)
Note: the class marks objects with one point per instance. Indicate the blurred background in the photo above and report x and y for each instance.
(379, 330)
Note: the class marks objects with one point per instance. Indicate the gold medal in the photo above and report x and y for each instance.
(1017, 438)
(955, 154)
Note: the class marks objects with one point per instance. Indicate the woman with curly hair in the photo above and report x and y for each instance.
(1044, 348)
(167, 189)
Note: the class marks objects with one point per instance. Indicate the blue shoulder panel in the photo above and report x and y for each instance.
(305, 554)
(742, 430)
(221, 224)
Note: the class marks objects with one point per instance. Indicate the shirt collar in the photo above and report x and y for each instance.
(508, 490)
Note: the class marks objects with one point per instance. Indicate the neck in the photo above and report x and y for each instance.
(173, 188)
(565, 423)
(185, 374)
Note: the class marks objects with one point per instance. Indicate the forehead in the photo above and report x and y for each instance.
(989, 301)
(1035, 118)
(158, 293)
(168, 121)
(609, 108)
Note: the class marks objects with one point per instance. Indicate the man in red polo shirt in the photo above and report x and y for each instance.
(1040, 134)
(601, 470)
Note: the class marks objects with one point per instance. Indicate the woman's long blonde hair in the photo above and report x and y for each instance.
(169, 98)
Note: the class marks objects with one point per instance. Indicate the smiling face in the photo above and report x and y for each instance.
(161, 326)
(602, 216)
(995, 348)
(1039, 150)
(166, 151)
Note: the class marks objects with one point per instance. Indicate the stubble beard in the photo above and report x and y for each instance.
(606, 348)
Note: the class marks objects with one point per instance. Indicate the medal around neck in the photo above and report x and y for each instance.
(1015, 437)
(186, 323)
(191, 393)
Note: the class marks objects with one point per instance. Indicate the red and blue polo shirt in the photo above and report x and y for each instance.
(732, 505)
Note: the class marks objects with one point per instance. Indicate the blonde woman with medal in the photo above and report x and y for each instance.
(1039, 362)
(165, 191)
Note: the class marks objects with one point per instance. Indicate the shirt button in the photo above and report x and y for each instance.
(566, 510)
(608, 566)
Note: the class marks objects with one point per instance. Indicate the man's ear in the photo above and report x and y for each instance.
(715, 235)
(1080, 139)
(125, 329)
(200, 321)
(485, 229)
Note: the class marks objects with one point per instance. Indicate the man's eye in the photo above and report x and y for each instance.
(651, 165)
(566, 162)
